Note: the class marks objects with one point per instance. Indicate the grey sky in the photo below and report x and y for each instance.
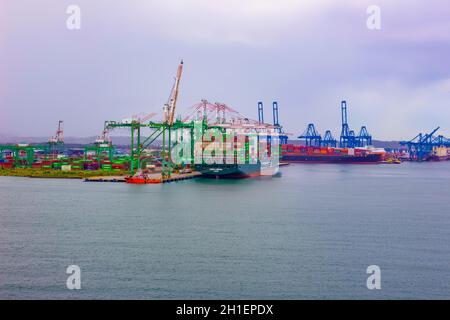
(307, 55)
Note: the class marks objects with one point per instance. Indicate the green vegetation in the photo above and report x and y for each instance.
(51, 173)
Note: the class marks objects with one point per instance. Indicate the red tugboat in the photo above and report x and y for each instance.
(141, 178)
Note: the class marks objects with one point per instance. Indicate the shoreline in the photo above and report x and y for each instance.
(57, 174)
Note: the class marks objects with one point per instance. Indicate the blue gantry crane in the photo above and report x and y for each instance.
(328, 140)
(441, 141)
(364, 138)
(311, 136)
(347, 139)
(421, 146)
(283, 137)
(260, 113)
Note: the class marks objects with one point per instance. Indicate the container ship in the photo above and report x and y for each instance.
(230, 171)
(240, 138)
(310, 154)
(249, 167)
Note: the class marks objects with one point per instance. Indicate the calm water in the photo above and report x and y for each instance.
(310, 233)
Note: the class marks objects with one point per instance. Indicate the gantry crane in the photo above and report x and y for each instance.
(328, 140)
(55, 143)
(160, 129)
(347, 139)
(59, 136)
(102, 145)
(260, 112)
(421, 146)
(311, 136)
(364, 138)
(283, 136)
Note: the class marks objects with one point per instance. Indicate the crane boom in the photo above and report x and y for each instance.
(174, 95)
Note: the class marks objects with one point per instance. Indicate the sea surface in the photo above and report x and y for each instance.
(310, 233)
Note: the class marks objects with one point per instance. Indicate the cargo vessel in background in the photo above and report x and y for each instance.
(353, 147)
(311, 154)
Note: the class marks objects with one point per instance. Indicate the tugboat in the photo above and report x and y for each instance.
(392, 160)
(141, 177)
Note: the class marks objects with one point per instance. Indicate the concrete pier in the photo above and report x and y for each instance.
(157, 176)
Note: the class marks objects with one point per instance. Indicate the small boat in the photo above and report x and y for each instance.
(141, 178)
(392, 161)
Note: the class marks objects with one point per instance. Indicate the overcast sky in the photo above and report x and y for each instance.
(307, 55)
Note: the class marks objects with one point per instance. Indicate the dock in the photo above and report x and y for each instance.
(182, 176)
(105, 179)
(157, 176)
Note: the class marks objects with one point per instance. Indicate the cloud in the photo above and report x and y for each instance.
(308, 55)
(392, 109)
(245, 22)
